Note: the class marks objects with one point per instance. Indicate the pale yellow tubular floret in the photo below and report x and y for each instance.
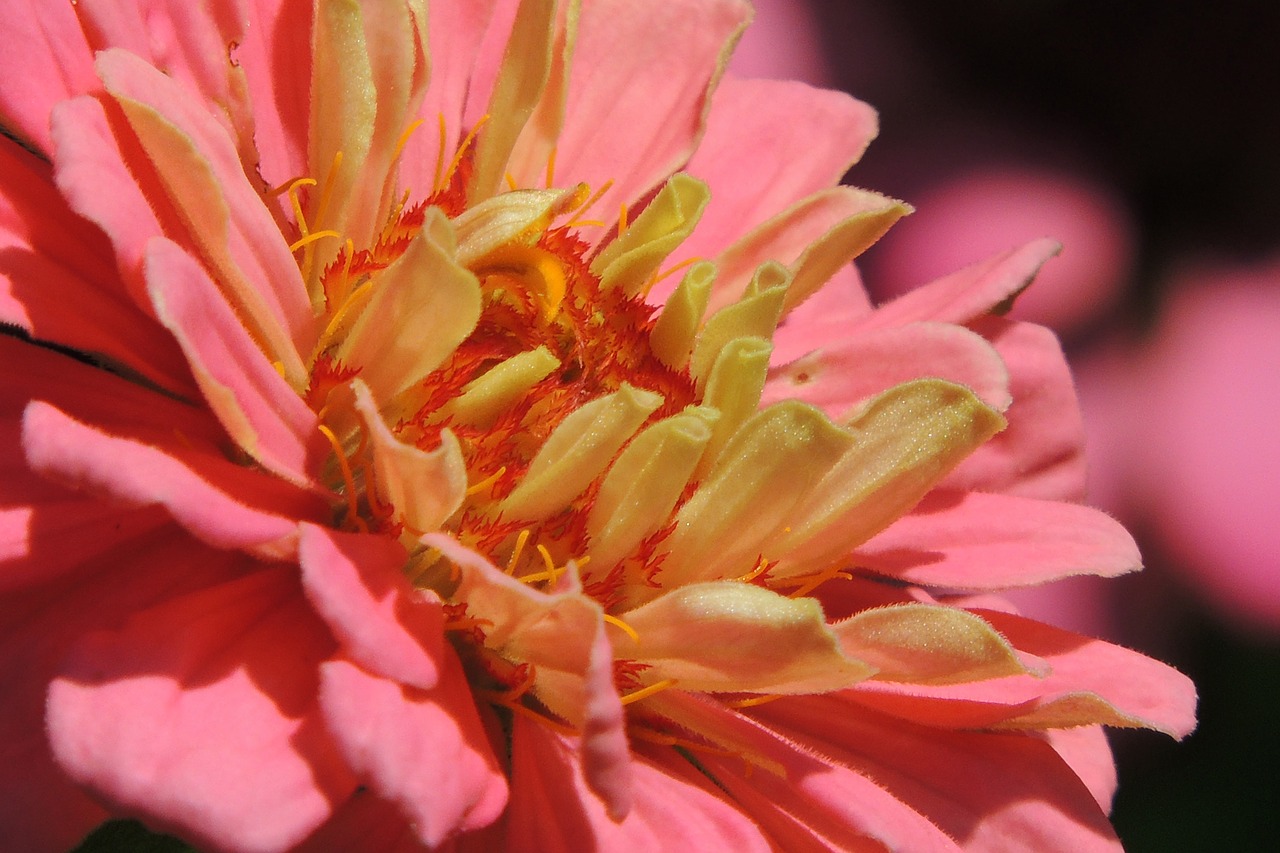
(577, 451)
(845, 241)
(733, 389)
(927, 644)
(522, 77)
(634, 257)
(643, 485)
(422, 487)
(736, 637)
(756, 315)
(344, 108)
(904, 441)
(673, 334)
(423, 306)
(534, 151)
(483, 399)
(512, 218)
(764, 472)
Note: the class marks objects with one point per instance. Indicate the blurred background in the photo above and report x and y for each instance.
(1145, 136)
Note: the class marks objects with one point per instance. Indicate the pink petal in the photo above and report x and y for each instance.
(267, 419)
(43, 47)
(552, 810)
(799, 796)
(50, 261)
(824, 319)
(198, 714)
(969, 293)
(841, 375)
(42, 809)
(1087, 752)
(812, 135)
(638, 92)
(424, 750)
(357, 585)
(987, 791)
(975, 540)
(196, 489)
(365, 822)
(1041, 453)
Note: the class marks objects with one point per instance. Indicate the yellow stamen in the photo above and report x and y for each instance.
(462, 149)
(547, 561)
(296, 203)
(435, 184)
(517, 551)
(622, 218)
(311, 238)
(808, 583)
(404, 138)
(511, 182)
(614, 620)
(645, 692)
(356, 299)
(326, 194)
(348, 479)
(551, 169)
(762, 566)
(487, 482)
(537, 269)
(668, 273)
(754, 700)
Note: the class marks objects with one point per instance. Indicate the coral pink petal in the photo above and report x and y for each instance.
(824, 319)
(814, 136)
(244, 230)
(364, 822)
(1152, 693)
(977, 540)
(987, 791)
(43, 47)
(50, 262)
(42, 809)
(198, 715)
(1088, 753)
(552, 811)
(357, 585)
(638, 92)
(276, 57)
(138, 474)
(424, 750)
(841, 375)
(969, 293)
(1041, 453)
(802, 799)
(254, 403)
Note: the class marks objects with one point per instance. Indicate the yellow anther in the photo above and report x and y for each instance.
(646, 692)
(547, 561)
(627, 629)
(311, 238)
(278, 366)
(511, 182)
(622, 218)
(462, 150)
(487, 483)
(551, 168)
(435, 184)
(517, 551)
(354, 301)
(296, 203)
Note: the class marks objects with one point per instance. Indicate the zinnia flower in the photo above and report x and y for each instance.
(390, 461)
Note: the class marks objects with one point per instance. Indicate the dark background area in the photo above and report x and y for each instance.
(1177, 106)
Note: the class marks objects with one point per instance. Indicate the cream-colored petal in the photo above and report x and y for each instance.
(642, 487)
(756, 315)
(903, 442)
(423, 487)
(526, 67)
(730, 637)
(483, 399)
(681, 318)
(927, 644)
(517, 217)
(578, 451)
(421, 308)
(733, 389)
(535, 149)
(631, 260)
(764, 472)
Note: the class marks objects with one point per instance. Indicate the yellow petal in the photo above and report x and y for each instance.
(422, 307)
(733, 389)
(517, 217)
(634, 257)
(681, 317)
(927, 644)
(500, 387)
(642, 487)
(756, 315)
(578, 451)
(731, 637)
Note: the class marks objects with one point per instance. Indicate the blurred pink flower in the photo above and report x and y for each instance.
(985, 209)
(1181, 436)
(355, 495)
